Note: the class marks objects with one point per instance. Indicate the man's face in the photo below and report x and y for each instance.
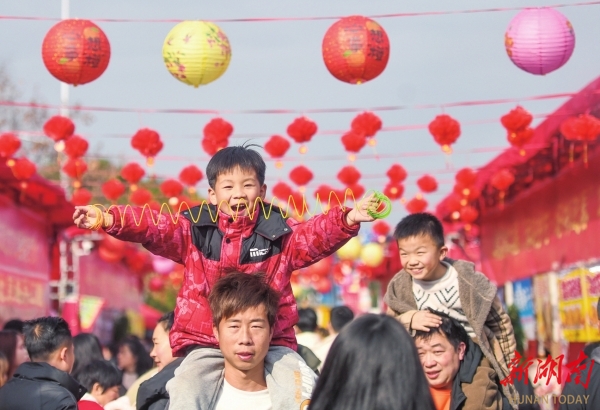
(236, 192)
(161, 351)
(440, 360)
(421, 257)
(244, 338)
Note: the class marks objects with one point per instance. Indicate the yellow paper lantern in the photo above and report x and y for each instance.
(351, 250)
(196, 52)
(372, 255)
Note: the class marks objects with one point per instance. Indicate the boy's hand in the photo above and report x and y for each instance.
(87, 216)
(359, 214)
(424, 320)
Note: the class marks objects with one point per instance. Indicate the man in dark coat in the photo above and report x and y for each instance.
(44, 383)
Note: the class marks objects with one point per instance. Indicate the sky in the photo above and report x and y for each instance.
(434, 60)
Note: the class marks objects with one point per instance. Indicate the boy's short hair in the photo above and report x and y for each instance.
(230, 158)
(450, 328)
(340, 316)
(45, 335)
(236, 292)
(307, 320)
(420, 224)
(167, 321)
(14, 324)
(99, 371)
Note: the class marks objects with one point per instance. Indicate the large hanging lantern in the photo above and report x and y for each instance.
(196, 52)
(355, 49)
(539, 40)
(76, 51)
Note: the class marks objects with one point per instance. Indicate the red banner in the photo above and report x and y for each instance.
(550, 226)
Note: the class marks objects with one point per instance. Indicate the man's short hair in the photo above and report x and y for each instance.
(450, 328)
(420, 224)
(44, 336)
(167, 320)
(237, 292)
(99, 371)
(230, 158)
(340, 316)
(14, 324)
(307, 320)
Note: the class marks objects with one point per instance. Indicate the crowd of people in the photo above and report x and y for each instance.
(237, 339)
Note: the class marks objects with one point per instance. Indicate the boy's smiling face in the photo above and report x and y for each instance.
(421, 257)
(236, 192)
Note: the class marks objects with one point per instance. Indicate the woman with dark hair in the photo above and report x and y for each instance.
(372, 364)
(87, 348)
(12, 344)
(133, 360)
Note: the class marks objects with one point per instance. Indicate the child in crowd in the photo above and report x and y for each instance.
(232, 233)
(430, 280)
(102, 381)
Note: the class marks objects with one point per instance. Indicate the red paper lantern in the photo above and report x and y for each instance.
(210, 147)
(468, 214)
(353, 141)
(466, 177)
(277, 146)
(427, 183)
(23, 169)
(81, 197)
(416, 205)
(218, 131)
(469, 193)
(113, 189)
(355, 49)
(322, 193)
(171, 188)
(76, 146)
(76, 51)
(445, 131)
(297, 203)
(357, 190)
(9, 144)
(140, 197)
(302, 130)
(191, 175)
(323, 285)
(393, 190)
(156, 284)
(520, 138)
(301, 175)
(75, 168)
(584, 128)
(366, 123)
(349, 175)
(282, 191)
(132, 173)
(59, 128)
(502, 180)
(396, 173)
(148, 143)
(381, 228)
(516, 120)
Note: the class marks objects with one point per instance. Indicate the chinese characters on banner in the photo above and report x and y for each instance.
(578, 295)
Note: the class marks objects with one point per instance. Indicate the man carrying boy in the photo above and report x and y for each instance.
(430, 280)
(44, 383)
(231, 234)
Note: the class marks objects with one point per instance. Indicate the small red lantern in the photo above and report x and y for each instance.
(323, 192)
(520, 138)
(148, 143)
(468, 214)
(282, 191)
(355, 49)
(301, 175)
(140, 197)
(367, 124)
(76, 51)
(59, 128)
(502, 180)
(171, 188)
(209, 147)
(468, 193)
(445, 131)
(75, 168)
(76, 146)
(156, 284)
(349, 175)
(9, 144)
(81, 197)
(381, 228)
(516, 120)
(218, 131)
(190, 175)
(113, 189)
(132, 173)
(396, 173)
(466, 177)
(276, 147)
(393, 190)
(427, 184)
(416, 205)
(353, 142)
(302, 130)
(23, 169)
(584, 128)
(357, 191)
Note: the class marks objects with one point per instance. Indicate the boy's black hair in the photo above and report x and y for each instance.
(14, 324)
(102, 372)
(307, 320)
(230, 158)
(167, 320)
(450, 328)
(45, 335)
(340, 316)
(420, 224)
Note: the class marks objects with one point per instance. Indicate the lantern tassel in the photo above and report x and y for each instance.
(502, 194)
(585, 155)
(571, 153)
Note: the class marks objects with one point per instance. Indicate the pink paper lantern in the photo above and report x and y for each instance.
(539, 40)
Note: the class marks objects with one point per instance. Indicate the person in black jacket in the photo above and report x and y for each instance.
(44, 383)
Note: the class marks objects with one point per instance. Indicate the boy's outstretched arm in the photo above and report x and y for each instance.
(133, 224)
